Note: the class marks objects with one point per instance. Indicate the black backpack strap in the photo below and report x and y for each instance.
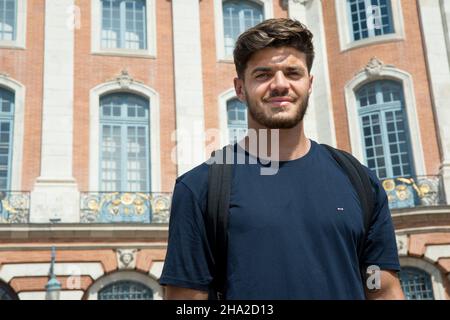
(361, 182)
(219, 188)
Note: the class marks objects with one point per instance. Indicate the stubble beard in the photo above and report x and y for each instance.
(274, 122)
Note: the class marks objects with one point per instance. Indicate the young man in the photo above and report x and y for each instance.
(294, 234)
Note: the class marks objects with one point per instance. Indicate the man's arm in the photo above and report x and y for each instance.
(186, 263)
(390, 288)
(178, 293)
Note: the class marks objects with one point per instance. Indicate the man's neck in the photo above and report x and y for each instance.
(291, 143)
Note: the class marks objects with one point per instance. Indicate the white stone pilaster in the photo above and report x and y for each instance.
(319, 121)
(445, 9)
(433, 30)
(188, 84)
(445, 167)
(55, 191)
(156, 269)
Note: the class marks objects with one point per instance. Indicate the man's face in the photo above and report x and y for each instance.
(276, 87)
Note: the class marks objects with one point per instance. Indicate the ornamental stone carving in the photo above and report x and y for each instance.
(402, 244)
(124, 80)
(374, 67)
(126, 258)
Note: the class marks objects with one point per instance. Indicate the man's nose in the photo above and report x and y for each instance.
(280, 83)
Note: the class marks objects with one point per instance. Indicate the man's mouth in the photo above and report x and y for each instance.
(280, 101)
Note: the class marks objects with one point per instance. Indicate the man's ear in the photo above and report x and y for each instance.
(239, 88)
(311, 80)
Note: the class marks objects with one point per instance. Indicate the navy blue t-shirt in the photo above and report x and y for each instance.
(292, 235)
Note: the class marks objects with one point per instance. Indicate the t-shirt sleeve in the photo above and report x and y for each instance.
(186, 263)
(381, 246)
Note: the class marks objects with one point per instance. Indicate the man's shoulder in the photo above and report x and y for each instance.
(196, 179)
(375, 182)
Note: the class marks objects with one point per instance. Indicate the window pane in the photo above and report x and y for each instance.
(110, 34)
(365, 121)
(125, 144)
(379, 151)
(131, 112)
(8, 20)
(124, 24)
(393, 148)
(380, 162)
(6, 131)
(395, 160)
(383, 127)
(379, 21)
(238, 16)
(376, 129)
(416, 284)
(397, 171)
(237, 120)
(378, 140)
(125, 290)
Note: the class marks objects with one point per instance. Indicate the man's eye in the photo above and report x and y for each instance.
(262, 76)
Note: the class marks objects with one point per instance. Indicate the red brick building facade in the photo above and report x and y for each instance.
(69, 69)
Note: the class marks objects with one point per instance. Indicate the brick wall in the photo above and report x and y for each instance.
(26, 66)
(92, 70)
(407, 55)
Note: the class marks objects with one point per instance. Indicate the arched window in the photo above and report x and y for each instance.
(124, 24)
(236, 120)
(125, 290)
(416, 284)
(370, 18)
(385, 131)
(6, 137)
(124, 143)
(8, 19)
(239, 16)
(6, 293)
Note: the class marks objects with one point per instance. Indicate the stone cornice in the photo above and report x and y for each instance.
(77, 232)
(421, 218)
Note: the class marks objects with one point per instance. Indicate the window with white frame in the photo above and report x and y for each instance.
(8, 20)
(239, 16)
(124, 24)
(123, 27)
(6, 137)
(365, 22)
(384, 128)
(236, 120)
(416, 284)
(125, 290)
(13, 23)
(124, 143)
(370, 18)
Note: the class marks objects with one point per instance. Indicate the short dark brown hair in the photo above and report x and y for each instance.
(274, 33)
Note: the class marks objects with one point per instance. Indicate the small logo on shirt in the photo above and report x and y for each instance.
(339, 209)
